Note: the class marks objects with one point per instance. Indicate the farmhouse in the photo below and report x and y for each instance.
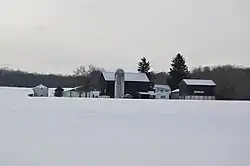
(132, 84)
(162, 91)
(197, 89)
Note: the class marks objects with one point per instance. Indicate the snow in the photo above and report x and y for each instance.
(176, 90)
(166, 87)
(41, 86)
(140, 77)
(97, 132)
(199, 82)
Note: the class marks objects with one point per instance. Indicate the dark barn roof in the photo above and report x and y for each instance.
(199, 82)
(129, 77)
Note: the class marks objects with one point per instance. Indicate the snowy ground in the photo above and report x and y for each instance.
(106, 132)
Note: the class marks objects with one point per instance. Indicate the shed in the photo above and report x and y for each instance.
(175, 94)
(41, 91)
(146, 95)
(79, 92)
(198, 89)
(72, 93)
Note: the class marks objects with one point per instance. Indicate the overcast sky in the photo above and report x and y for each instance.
(57, 36)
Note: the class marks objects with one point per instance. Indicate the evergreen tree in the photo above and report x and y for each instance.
(178, 71)
(143, 66)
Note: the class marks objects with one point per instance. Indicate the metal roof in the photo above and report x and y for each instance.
(199, 82)
(162, 87)
(40, 86)
(133, 77)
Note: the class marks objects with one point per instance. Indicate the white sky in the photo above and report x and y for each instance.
(57, 36)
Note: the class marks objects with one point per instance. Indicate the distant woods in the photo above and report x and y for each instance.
(17, 78)
(233, 83)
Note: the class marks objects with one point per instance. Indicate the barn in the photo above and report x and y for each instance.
(197, 89)
(133, 84)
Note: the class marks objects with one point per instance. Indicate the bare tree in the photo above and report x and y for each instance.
(81, 71)
(232, 82)
(92, 68)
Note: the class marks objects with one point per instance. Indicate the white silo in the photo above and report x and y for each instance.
(119, 83)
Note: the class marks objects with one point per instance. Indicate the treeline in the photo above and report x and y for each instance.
(19, 78)
(233, 83)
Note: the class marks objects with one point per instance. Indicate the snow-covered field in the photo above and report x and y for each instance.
(107, 132)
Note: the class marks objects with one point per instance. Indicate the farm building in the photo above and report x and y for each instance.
(133, 83)
(41, 91)
(78, 92)
(175, 94)
(74, 92)
(197, 89)
(162, 91)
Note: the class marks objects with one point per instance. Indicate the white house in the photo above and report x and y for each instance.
(162, 91)
(41, 91)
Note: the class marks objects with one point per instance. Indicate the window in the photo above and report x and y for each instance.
(199, 92)
(163, 97)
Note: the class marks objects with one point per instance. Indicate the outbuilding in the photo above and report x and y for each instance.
(175, 94)
(41, 91)
(78, 92)
(74, 92)
(197, 89)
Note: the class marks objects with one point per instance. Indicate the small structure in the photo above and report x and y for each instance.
(72, 93)
(147, 95)
(41, 91)
(78, 92)
(197, 89)
(162, 91)
(128, 96)
(94, 94)
(174, 94)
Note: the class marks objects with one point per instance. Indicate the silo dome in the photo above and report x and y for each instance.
(119, 71)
